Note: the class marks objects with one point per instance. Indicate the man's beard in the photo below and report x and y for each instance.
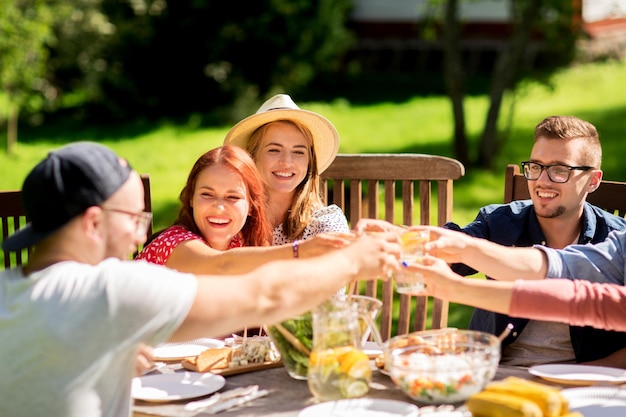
(551, 214)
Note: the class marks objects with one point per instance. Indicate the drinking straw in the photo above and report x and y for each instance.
(506, 332)
(351, 290)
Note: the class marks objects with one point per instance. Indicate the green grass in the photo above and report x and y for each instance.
(593, 92)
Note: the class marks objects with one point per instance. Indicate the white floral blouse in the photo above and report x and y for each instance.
(327, 219)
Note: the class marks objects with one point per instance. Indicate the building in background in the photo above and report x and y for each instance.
(389, 31)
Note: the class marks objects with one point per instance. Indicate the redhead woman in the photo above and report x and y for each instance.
(223, 207)
(291, 148)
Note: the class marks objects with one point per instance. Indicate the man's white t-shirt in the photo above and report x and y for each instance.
(69, 334)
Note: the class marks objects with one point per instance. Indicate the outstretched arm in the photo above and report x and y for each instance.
(441, 282)
(196, 257)
(497, 261)
(281, 289)
(576, 302)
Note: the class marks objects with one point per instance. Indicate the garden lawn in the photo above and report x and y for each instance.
(593, 92)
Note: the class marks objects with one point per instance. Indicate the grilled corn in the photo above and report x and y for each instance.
(496, 404)
(549, 399)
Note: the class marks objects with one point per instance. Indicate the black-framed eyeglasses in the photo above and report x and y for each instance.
(556, 173)
(142, 219)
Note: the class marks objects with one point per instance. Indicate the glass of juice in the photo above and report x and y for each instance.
(412, 246)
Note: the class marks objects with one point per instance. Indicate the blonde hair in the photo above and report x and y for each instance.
(308, 196)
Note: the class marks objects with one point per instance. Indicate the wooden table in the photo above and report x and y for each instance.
(287, 396)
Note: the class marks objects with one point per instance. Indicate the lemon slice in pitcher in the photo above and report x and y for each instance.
(353, 388)
(355, 364)
(355, 374)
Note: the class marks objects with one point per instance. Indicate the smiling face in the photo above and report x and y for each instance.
(220, 205)
(561, 200)
(283, 157)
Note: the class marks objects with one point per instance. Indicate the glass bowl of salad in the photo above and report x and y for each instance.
(294, 339)
(444, 366)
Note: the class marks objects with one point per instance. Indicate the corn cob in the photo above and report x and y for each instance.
(572, 414)
(548, 398)
(495, 404)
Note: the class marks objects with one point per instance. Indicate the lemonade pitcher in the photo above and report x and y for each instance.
(338, 368)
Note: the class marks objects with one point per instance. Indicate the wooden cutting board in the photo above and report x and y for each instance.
(237, 369)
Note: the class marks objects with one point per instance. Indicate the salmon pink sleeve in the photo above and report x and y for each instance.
(576, 302)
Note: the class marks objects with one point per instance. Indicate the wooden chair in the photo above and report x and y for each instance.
(359, 183)
(147, 201)
(13, 216)
(610, 195)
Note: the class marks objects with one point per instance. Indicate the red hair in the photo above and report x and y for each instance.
(256, 231)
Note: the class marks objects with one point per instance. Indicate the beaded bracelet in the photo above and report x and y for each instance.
(295, 246)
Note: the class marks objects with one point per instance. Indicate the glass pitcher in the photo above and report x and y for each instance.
(338, 368)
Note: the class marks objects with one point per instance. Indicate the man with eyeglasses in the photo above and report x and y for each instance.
(564, 166)
(142, 220)
(72, 320)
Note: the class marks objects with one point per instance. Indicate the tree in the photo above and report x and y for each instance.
(453, 70)
(26, 28)
(173, 58)
(545, 23)
(163, 58)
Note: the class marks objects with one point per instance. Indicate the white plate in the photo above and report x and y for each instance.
(579, 374)
(372, 349)
(179, 351)
(361, 407)
(597, 401)
(175, 386)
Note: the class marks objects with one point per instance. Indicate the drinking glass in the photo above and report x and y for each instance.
(412, 250)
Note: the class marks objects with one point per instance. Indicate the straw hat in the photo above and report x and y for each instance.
(282, 107)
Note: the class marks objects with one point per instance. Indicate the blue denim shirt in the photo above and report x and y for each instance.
(515, 224)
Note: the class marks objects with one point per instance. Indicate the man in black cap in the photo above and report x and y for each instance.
(73, 318)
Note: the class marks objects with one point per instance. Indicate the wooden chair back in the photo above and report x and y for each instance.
(415, 188)
(147, 201)
(610, 195)
(13, 217)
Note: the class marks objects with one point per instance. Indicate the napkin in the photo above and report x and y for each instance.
(225, 400)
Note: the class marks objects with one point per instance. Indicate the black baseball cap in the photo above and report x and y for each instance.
(65, 184)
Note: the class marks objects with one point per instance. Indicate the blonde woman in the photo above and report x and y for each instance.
(291, 148)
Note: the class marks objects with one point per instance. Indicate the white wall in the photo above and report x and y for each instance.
(474, 10)
(594, 10)
(413, 10)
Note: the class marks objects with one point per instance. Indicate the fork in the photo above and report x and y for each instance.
(221, 397)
